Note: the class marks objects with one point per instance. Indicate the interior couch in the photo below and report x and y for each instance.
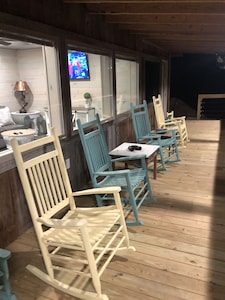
(7, 123)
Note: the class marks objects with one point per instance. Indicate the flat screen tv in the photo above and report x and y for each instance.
(78, 65)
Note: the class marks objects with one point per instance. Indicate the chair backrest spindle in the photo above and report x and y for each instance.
(96, 150)
(46, 182)
(141, 122)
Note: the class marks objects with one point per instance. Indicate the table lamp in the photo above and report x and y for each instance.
(21, 90)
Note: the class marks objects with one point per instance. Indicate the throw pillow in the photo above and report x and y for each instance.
(5, 117)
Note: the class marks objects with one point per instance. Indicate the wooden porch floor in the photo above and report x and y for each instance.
(181, 247)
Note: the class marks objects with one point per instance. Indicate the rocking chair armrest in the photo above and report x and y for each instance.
(92, 191)
(4, 254)
(172, 122)
(154, 136)
(149, 137)
(62, 223)
(182, 118)
(116, 172)
(115, 190)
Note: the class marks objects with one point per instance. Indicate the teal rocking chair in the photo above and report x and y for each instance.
(134, 183)
(5, 290)
(168, 149)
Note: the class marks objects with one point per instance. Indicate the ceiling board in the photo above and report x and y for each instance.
(187, 26)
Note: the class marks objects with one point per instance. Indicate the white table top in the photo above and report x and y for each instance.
(122, 150)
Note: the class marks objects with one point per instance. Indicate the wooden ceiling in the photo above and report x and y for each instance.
(176, 27)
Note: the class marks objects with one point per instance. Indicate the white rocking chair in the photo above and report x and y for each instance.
(76, 244)
(170, 122)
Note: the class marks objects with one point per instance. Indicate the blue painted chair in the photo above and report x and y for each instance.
(5, 290)
(168, 149)
(134, 183)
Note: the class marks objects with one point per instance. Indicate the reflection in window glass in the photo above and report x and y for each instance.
(37, 66)
(127, 84)
(90, 86)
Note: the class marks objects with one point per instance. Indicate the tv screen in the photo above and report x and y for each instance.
(78, 66)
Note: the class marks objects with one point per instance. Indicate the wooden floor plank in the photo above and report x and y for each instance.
(180, 249)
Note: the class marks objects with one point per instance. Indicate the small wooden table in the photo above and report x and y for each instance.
(150, 152)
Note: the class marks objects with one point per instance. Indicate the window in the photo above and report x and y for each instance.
(97, 84)
(127, 84)
(37, 65)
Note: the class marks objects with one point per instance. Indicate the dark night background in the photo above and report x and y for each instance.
(195, 74)
(191, 74)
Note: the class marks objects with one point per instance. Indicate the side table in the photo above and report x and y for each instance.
(82, 113)
(150, 152)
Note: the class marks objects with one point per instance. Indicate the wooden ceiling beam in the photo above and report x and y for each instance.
(182, 37)
(169, 28)
(139, 1)
(187, 47)
(204, 19)
(212, 7)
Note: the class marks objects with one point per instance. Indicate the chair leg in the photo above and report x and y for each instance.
(132, 201)
(135, 222)
(146, 198)
(131, 207)
(176, 149)
(99, 200)
(163, 163)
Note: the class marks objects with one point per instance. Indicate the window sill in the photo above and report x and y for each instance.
(5, 152)
(7, 161)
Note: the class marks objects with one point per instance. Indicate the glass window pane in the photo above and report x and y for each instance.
(127, 84)
(90, 75)
(36, 65)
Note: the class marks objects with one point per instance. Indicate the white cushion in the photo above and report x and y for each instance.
(5, 117)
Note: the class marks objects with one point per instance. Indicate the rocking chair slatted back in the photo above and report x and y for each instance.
(140, 117)
(159, 113)
(99, 160)
(46, 180)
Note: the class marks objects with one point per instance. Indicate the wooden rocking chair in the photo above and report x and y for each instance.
(171, 122)
(76, 243)
(135, 185)
(168, 149)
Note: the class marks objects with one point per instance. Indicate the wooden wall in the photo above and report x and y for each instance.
(52, 20)
(14, 216)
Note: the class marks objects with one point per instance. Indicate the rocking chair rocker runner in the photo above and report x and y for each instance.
(135, 185)
(171, 122)
(167, 146)
(76, 244)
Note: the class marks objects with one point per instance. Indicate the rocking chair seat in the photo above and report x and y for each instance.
(117, 178)
(65, 231)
